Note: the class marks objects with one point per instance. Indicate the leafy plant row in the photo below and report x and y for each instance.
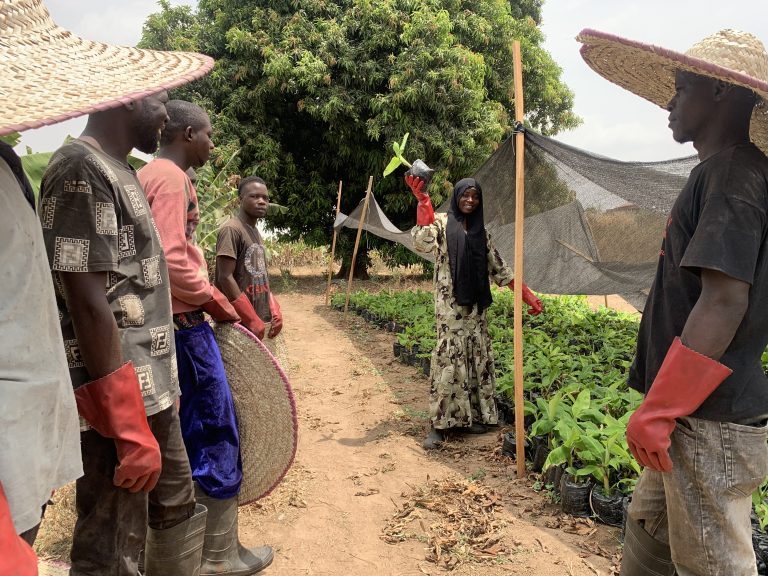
(575, 371)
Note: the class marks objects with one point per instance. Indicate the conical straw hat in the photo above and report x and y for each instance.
(649, 71)
(265, 409)
(50, 75)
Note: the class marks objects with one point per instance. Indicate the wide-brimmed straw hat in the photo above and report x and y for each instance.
(649, 71)
(50, 75)
(265, 409)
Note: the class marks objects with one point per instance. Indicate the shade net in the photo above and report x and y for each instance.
(593, 225)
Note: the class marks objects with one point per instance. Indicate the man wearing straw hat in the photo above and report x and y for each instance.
(111, 318)
(701, 430)
(41, 449)
(241, 269)
(208, 417)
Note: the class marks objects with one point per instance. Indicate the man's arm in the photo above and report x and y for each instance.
(225, 277)
(93, 321)
(111, 402)
(226, 283)
(713, 322)
(690, 372)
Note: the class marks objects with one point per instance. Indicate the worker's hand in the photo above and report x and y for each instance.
(685, 379)
(425, 214)
(277, 316)
(220, 308)
(416, 185)
(535, 306)
(16, 556)
(248, 316)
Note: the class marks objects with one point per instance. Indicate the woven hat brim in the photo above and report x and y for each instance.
(265, 407)
(51, 75)
(649, 72)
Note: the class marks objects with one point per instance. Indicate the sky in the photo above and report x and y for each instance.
(616, 123)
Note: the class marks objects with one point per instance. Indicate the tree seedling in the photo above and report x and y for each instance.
(419, 168)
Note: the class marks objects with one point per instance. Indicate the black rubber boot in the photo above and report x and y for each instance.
(476, 428)
(643, 554)
(176, 551)
(433, 440)
(223, 555)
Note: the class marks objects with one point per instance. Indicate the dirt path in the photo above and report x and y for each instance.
(359, 464)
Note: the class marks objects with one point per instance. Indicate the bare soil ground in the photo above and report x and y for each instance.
(364, 498)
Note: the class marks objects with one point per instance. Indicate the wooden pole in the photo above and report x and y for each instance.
(518, 301)
(363, 216)
(333, 246)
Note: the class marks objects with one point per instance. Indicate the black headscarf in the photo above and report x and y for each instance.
(468, 250)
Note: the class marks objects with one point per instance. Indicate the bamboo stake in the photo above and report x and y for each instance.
(363, 216)
(333, 247)
(518, 301)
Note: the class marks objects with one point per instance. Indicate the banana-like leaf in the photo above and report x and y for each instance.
(34, 166)
(11, 139)
(403, 143)
(273, 209)
(392, 166)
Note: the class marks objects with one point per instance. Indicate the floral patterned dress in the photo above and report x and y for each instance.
(462, 377)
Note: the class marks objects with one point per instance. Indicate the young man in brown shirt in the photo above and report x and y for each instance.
(241, 269)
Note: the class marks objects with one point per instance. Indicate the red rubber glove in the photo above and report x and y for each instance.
(16, 556)
(685, 379)
(425, 214)
(113, 406)
(248, 316)
(277, 317)
(535, 307)
(219, 308)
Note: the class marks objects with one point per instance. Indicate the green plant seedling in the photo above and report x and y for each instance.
(397, 159)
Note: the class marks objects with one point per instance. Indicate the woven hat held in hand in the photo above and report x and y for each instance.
(265, 407)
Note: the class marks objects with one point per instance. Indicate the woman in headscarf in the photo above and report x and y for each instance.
(463, 385)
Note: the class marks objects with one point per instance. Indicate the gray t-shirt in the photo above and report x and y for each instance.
(40, 450)
(95, 218)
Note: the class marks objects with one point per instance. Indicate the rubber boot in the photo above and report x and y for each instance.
(223, 555)
(433, 440)
(476, 428)
(176, 551)
(643, 554)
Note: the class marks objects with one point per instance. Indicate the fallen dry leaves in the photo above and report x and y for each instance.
(455, 518)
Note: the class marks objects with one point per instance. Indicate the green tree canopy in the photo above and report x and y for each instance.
(315, 91)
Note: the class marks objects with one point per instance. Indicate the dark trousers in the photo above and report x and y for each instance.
(112, 522)
(31, 535)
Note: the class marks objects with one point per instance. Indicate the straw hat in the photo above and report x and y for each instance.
(50, 75)
(649, 71)
(265, 409)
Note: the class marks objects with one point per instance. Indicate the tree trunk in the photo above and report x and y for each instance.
(361, 265)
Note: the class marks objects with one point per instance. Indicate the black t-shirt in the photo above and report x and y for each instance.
(719, 222)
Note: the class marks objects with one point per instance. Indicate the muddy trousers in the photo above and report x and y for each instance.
(701, 509)
(112, 522)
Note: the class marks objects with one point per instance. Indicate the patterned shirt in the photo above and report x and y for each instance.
(95, 219)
